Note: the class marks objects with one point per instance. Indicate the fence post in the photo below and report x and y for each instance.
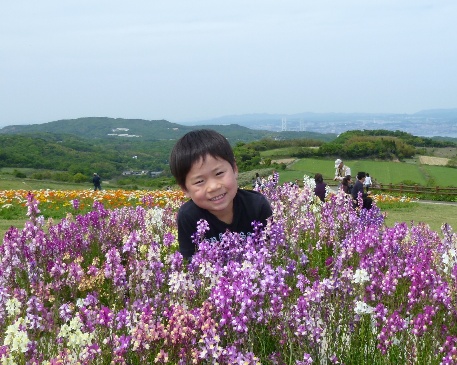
(401, 188)
(415, 188)
(390, 187)
(437, 189)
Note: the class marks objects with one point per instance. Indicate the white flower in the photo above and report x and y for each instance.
(17, 339)
(180, 281)
(449, 259)
(309, 181)
(362, 308)
(207, 270)
(154, 217)
(75, 337)
(360, 276)
(13, 307)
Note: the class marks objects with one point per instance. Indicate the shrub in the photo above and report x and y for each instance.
(19, 174)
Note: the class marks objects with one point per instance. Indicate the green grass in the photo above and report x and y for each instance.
(433, 214)
(308, 166)
(444, 176)
(5, 224)
(386, 172)
(11, 183)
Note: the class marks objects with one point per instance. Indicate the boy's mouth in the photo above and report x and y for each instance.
(218, 197)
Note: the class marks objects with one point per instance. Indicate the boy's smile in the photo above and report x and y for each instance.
(212, 185)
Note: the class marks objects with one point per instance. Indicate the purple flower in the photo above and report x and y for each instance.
(75, 203)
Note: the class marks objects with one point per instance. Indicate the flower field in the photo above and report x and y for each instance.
(56, 204)
(320, 284)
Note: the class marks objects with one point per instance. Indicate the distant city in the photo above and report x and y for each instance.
(429, 123)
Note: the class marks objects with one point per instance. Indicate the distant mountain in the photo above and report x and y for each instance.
(426, 123)
(144, 130)
(248, 127)
(439, 113)
(109, 146)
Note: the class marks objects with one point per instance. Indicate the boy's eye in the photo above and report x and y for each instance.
(219, 173)
(198, 182)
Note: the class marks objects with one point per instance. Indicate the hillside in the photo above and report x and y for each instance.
(73, 149)
(147, 130)
(110, 146)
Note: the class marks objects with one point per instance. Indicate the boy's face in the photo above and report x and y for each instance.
(212, 185)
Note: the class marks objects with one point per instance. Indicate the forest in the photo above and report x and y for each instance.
(70, 157)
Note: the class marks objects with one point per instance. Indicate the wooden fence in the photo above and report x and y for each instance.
(402, 188)
(416, 189)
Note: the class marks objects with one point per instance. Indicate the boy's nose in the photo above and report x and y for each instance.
(213, 185)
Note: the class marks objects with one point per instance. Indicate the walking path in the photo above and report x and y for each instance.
(437, 202)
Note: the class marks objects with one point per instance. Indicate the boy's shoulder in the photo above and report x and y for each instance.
(249, 194)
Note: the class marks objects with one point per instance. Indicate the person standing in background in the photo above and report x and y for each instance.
(341, 170)
(320, 189)
(368, 182)
(358, 188)
(345, 185)
(96, 180)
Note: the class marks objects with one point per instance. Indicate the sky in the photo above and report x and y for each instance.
(183, 60)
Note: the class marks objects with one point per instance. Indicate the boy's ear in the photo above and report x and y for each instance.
(235, 170)
(185, 191)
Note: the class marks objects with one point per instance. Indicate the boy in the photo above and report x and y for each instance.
(204, 166)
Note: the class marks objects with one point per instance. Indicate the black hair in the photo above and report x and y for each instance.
(318, 178)
(361, 175)
(196, 145)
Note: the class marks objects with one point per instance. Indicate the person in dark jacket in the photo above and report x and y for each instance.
(358, 188)
(345, 185)
(96, 180)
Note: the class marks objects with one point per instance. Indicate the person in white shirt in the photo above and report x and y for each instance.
(367, 182)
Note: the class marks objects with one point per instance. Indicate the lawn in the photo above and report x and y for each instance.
(385, 172)
(10, 183)
(444, 176)
(432, 213)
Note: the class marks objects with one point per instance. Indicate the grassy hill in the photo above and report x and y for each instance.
(110, 146)
(147, 130)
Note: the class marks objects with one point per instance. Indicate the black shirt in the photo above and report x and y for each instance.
(248, 206)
